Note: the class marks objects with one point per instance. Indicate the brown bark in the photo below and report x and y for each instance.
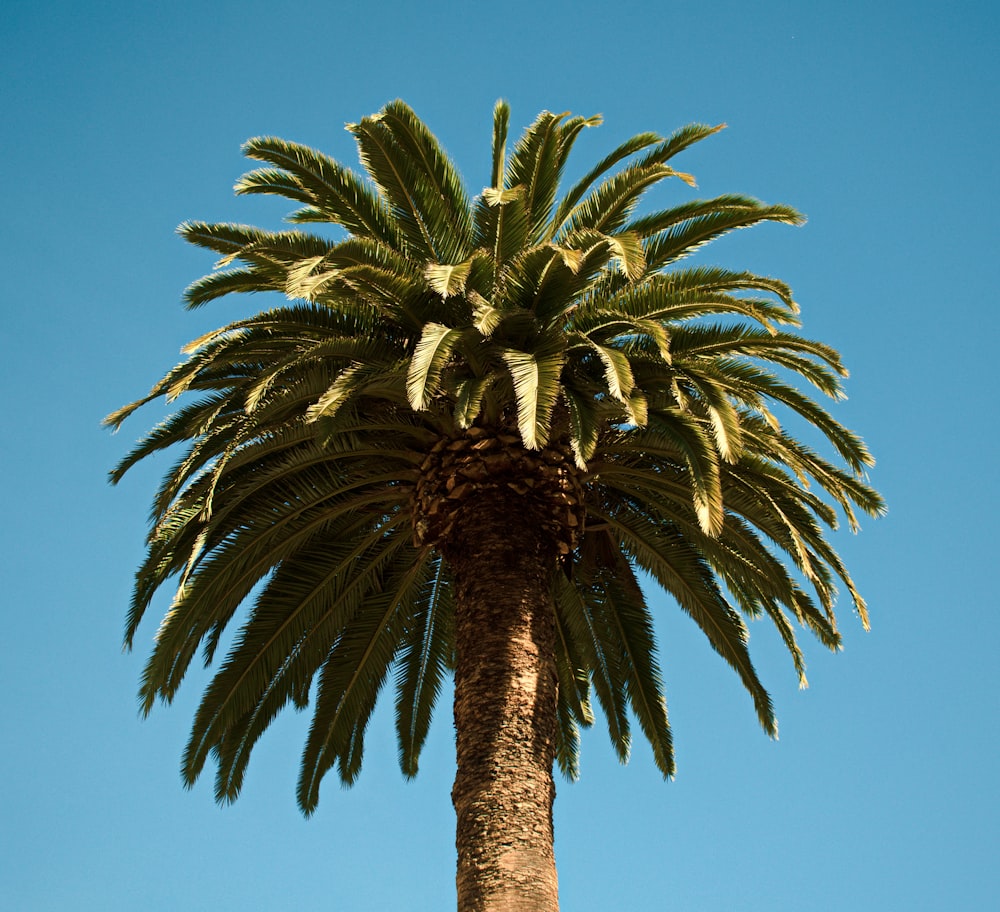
(505, 709)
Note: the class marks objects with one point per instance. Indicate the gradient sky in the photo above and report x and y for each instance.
(878, 120)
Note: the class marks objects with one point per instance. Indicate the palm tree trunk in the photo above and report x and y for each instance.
(505, 716)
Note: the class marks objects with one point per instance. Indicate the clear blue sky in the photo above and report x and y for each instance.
(878, 120)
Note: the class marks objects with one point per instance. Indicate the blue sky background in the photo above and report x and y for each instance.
(878, 120)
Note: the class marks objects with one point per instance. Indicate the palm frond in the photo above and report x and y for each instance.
(428, 363)
(348, 688)
(424, 659)
(598, 649)
(622, 152)
(634, 628)
(678, 233)
(535, 375)
(689, 579)
(680, 140)
(441, 193)
(329, 188)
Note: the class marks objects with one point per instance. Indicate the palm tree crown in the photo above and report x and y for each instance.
(448, 372)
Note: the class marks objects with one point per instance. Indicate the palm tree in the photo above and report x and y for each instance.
(460, 444)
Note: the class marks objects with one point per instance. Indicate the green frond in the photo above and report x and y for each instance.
(535, 165)
(541, 280)
(348, 688)
(501, 223)
(330, 188)
(573, 709)
(283, 249)
(680, 232)
(399, 179)
(424, 657)
(585, 424)
(305, 605)
(267, 258)
(617, 371)
(226, 238)
(501, 120)
(469, 394)
(485, 317)
(360, 379)
(628, 148)
(567, 752)
(633, 627)
(609, 205)
(687, 294)
(692, 444)
(428, 362)
(689, 579)
(220, 572)
(680, 140)
(448, 280)
(535, 376)
(782, 348)
(848, 444)
(574, 679)
(440, 192)
(589, 631)
(628, 251)
(175, 429)
(231, 281)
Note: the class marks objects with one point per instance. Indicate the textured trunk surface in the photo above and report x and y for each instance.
(505, 714)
